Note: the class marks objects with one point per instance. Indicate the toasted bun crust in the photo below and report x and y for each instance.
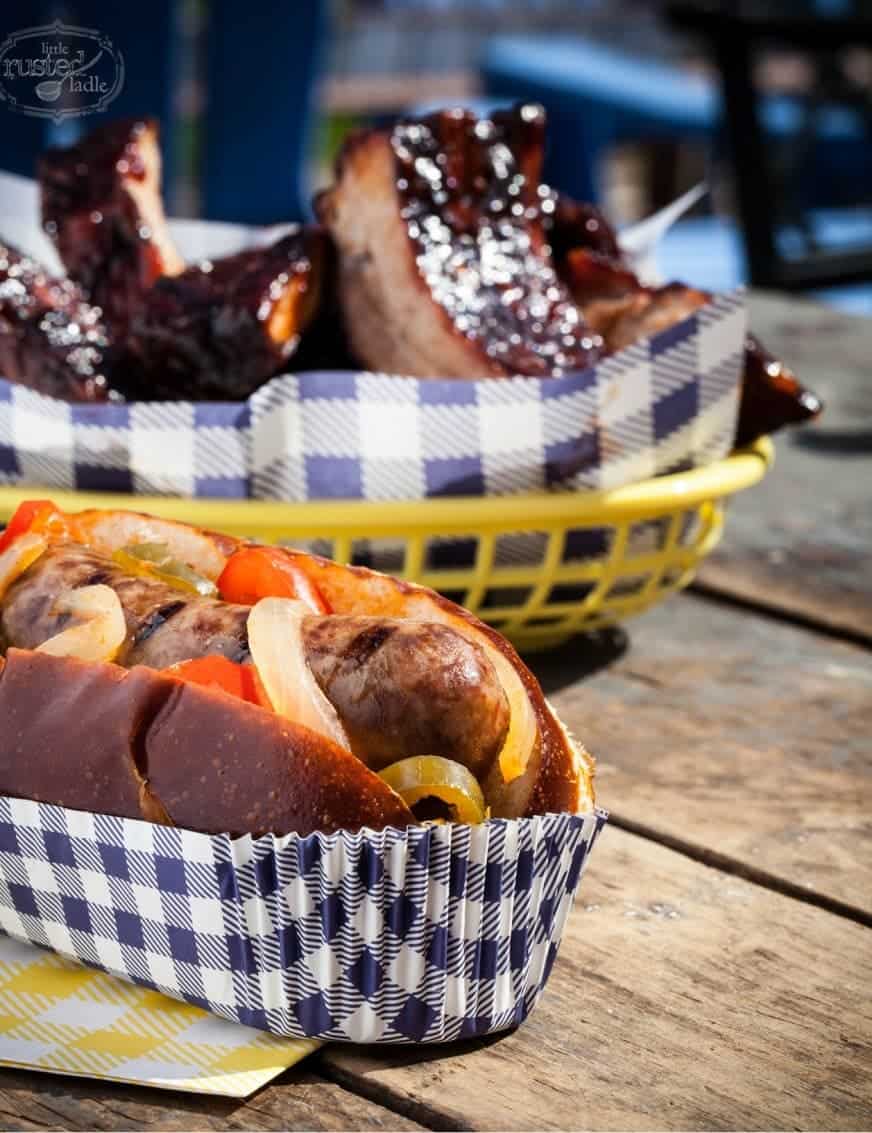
(559, 776)
(140, 744)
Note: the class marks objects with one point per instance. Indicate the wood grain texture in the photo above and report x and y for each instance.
(683, 998)
(739, 734)
(801, 541)
(298, 1100)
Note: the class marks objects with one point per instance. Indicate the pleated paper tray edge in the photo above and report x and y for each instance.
(418, 935)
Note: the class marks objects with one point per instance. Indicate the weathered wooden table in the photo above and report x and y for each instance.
(717, 970)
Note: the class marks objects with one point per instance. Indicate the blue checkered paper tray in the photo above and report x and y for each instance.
(662, 405)
(425, 934)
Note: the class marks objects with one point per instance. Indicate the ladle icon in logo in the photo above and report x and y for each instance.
(49, 90)
(58, 71)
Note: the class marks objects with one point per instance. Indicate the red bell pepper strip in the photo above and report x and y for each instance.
(219, 672)
(31, 515)
(253, 573)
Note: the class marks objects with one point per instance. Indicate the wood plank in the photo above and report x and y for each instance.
(683, 998)
(800, 541)
(739, 734)
(299, 1100)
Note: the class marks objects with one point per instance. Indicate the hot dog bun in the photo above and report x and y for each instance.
(139, 744)
(556, 773)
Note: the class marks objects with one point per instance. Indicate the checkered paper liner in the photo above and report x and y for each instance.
(419, 935)
(665, 404)
(662, 405)
(61, 1017)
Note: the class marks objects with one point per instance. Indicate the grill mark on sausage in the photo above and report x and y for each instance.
(212, 624)
(200, 628)
(156, 619)
(402, 688)
(368, 642)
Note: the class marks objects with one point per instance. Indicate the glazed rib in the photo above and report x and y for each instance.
(101, 205)
(220, 329)
(51, 339)
(444, 268)
(575, 224)
(623, 311)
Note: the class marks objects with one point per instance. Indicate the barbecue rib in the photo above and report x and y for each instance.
(101, 205)
(444, 268)
(50, 339)
(222, 328)
(617, 306)
(574, 224)
(772, 396)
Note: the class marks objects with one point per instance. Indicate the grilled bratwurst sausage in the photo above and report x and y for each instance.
(408, 688)
(400, 688)
(164, 625)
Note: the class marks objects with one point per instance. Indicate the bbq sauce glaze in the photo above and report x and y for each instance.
(221, 328)
(101, 237)
(476, 215)
(51, 339)
(771, 395)
(576, 224)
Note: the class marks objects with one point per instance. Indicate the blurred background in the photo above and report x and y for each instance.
(769, 102)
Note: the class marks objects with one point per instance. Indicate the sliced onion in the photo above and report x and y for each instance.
(18, 556)
(99, 630)
(434, 777)
(276, 643)
(523, 728)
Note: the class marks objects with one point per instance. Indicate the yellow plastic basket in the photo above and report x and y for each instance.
(540, 567)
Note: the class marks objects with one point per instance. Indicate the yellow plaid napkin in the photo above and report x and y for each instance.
(56, 1015)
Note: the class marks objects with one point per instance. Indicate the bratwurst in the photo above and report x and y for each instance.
(408, 688)
(399, 687)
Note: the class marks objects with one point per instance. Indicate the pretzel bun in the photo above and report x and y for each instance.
(138, 742)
